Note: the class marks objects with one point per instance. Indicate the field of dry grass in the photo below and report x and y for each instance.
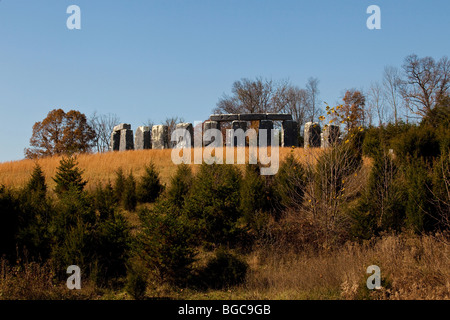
(101, 167)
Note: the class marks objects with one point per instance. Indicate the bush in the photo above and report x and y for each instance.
(290, 183)
(104, 201)
(180, 185)
(166, 243)
(149, 186)
(68, 177)
(73, 232)
(9, 223)
(119, 185)
(136, 284)
(214, 203)
(419, 142)
(35, 214)
(113, 240)
(224, 270)
(129, 197)
(255, 197)
(418, 206)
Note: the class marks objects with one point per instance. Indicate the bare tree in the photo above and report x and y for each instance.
(103, 126)
(149, 123)
(171, 123)
(312, 87)
(391, 85)
(375, 103)
(425, 82)
(254, 96)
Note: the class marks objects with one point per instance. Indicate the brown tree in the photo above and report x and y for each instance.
(426, 82)
(353, 108)
(61, 133)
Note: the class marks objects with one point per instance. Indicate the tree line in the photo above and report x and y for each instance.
(403, 95)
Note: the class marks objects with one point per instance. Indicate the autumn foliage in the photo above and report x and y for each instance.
(61, 133)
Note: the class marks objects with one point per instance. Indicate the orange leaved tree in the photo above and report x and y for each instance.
(61, 133)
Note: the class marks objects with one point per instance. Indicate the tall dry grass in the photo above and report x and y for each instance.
(412, 267)
(101, 167)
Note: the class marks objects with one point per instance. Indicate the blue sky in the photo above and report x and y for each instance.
(146, 59)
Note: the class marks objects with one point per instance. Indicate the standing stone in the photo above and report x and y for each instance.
(268, 126)
(330, 136)
(312, 135)
(188, 130)
(122, 126)
(237, 125)
(160, 137)
(126, 140)
(142, 138)
(289, 136)
(114, 144)
(207, 139)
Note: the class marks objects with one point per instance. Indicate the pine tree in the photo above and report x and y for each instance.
(150, 185)
(69, 177)
(180, 185)
(129, 199)
(119, 185)
(37, 183)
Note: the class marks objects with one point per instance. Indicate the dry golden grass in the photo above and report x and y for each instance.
(101, 167)
(412, 267)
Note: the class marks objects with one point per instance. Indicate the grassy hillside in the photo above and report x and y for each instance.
(99, 168)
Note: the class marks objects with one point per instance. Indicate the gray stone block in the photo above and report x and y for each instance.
(330, 136)
(224, 117)
(142, 138)
(235, 126)
(268, 126)
(312, 135)
(160, 137)
(207, 140)
(278, 116)
(114, 144)
(126, 140)
(188, 130)
(122, 126)
(252, 116)
(289, 135)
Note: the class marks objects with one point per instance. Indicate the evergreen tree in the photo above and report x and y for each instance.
(68, 177)
(150, 185)
(180, 184)
(37, 183)
(129, 198)
(119, 185)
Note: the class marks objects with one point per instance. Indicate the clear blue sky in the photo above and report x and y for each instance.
(144, 59)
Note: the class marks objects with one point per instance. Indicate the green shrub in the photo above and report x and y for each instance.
(180, 185)
(68, 177)
(35, 214)
(119, 185)
(418, 207)
(73, 232)
(104, 201)
(290, 183)
(224, 270)
(214, 203)
(149, 186)
(9, 223)
(417, 143)
(129, 197)
(167, 243)
(112, 249)
(136, 284)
